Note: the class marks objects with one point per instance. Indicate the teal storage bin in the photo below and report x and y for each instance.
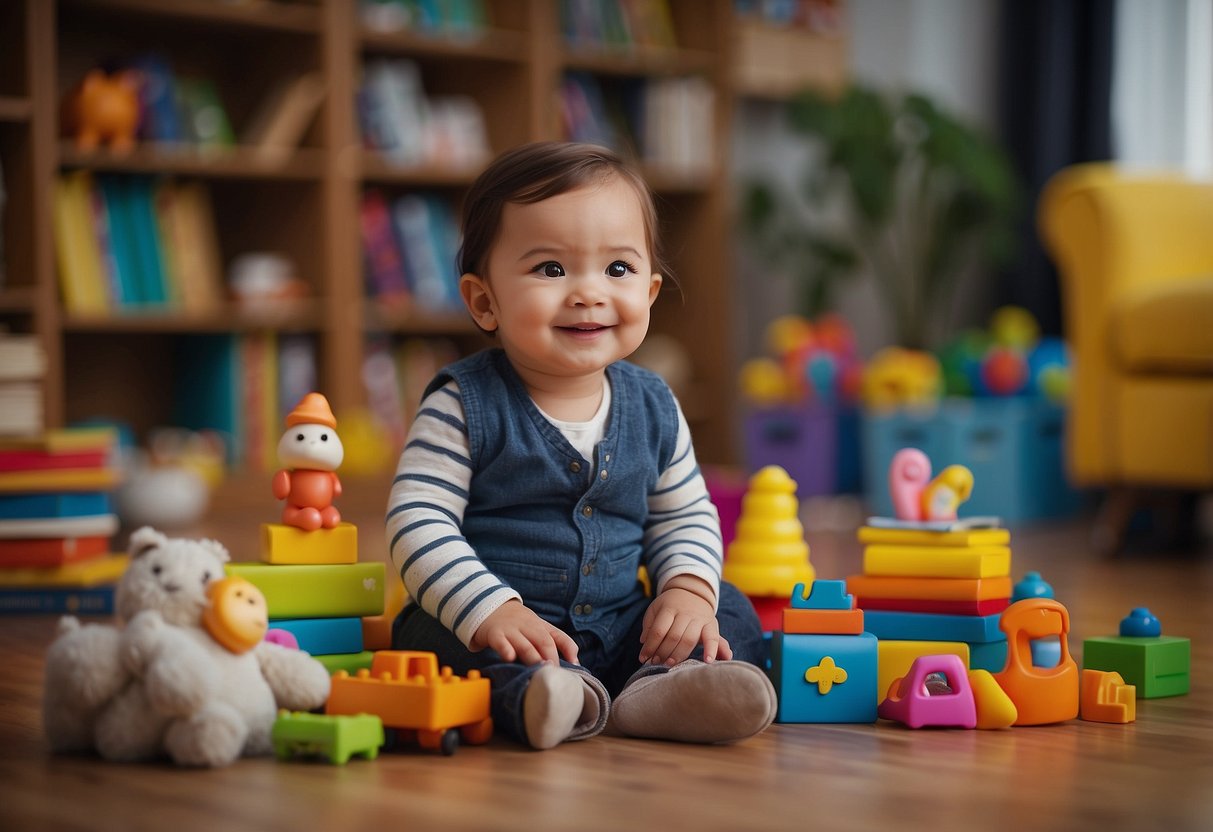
(886, 433)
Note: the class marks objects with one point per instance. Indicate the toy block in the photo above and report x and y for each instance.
(935, 589)
(770, 611)
(1156, 666)
(335, 738)
(913, 626)
(349, 662)
(1041, 695)
(769, 553)
(941, 562)
(317, 590)
(894, 658)
(910, 702)
(993, 606)
(822, 595)
(377, 629)
(961, 538)
(1105, 697)
(994, 708)
(408, 690)
(291, 545)
(824, 678)
(324, 636)
(823, 622)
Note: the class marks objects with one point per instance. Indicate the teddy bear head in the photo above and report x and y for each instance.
(169, 575)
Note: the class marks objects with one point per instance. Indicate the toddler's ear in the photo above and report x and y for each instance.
(654, 287)
(479, 301)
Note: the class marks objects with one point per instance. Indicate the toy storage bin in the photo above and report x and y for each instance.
(802, 439)
(884, 433)
(988, 436)
(850, 450)
(1045, 460)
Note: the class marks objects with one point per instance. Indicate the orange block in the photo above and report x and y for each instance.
(1105, 697)
(930, 589)
(823, 622)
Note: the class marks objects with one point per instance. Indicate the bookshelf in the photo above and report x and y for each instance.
(122, 362)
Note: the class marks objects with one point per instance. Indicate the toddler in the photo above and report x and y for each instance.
(539, 476)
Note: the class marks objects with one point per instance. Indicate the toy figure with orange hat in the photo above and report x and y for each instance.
(312, 452)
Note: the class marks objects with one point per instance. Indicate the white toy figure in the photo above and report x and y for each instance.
(163, 684)
(312, 451)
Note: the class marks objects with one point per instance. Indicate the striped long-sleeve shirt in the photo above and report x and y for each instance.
(442, 572)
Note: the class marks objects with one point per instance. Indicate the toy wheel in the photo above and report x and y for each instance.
(450, 742)
(478, 733)
(429, 740)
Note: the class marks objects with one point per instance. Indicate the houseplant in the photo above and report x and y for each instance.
(898, 187)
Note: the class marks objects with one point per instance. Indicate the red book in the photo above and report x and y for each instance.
(50, 551)
(989, 606)
(41, 460)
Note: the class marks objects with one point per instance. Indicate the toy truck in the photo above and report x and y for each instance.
(408, 691)
(336, 738)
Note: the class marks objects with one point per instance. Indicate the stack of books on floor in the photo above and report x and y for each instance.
(317, 591)
(22, 366)
(933, 589)
(56, 521)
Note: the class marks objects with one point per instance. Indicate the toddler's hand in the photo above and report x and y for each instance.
(518, 634)
(676, 621)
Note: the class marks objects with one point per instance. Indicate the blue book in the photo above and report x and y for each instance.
(50, 506)
(93, 600)
(208, 392)
(122, 240)
(141, 214)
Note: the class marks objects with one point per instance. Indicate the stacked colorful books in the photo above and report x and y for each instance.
(56, 521)
(934, 588)
(317, 591)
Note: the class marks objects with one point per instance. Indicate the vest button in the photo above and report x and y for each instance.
(603, 475)
(607, 457)
(577, 610)
(575, 467)
(587, 511)
(587, 609)
(587, 569)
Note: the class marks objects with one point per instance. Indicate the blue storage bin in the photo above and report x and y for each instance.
(802, 439)
(988, 437)
(886, 433)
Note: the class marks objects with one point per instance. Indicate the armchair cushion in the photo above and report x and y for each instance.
(1165, 327)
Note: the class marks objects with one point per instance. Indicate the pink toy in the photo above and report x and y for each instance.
(909, 473)
(312, 451)
(911, 703)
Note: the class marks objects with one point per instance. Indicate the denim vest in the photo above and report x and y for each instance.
(565, 533)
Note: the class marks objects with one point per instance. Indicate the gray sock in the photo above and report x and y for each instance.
(724, 701)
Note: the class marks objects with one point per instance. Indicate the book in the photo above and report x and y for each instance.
(63, 479)
(78, 260)
(21, 357)
(207, 391)
(424, 246)
(141, 214)
(385, 275)
(932, 537)
(54, 505)
(97, 600)
(92, 572)
(317, 591)
(963, 524)
(296, 371)
(17, 553)
(281, 121)
(193, 244)
(393, 111)
(41, 460)
(83, 526)
(63, 440)
(124, 249)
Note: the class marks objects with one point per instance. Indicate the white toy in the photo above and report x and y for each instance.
(164, 685)
(312, 452)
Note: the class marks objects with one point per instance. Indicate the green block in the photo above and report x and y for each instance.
(337, 738)
(1157, 667)
(317, 590)
(351, 663)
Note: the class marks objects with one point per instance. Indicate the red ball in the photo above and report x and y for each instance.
(1004, 372)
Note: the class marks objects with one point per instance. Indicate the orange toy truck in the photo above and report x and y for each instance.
(410, 693)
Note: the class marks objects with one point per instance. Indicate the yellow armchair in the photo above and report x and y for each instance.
(1135, 256)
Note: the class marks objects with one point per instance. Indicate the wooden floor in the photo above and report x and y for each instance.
(1155, 774)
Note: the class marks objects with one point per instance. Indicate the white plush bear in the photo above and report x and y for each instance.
(162, 684)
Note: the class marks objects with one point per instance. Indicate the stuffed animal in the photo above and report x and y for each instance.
(103, 108)
(162, 684)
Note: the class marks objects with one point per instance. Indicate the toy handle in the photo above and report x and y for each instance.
(909, 473)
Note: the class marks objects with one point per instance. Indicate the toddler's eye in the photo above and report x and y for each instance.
(550, 269)
(620, 269)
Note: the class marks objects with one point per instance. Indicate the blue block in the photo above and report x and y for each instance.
(793, 655)
(922, 626)
(989, 655)
(323, 636)
(823, 595)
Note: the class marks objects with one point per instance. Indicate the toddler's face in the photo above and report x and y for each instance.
(570, 281)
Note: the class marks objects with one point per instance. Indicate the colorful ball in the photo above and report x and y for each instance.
(1004, 372)
(763, 382)
(1014, 326)
(788, 334)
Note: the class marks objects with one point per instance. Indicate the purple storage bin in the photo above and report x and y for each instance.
(802, 439)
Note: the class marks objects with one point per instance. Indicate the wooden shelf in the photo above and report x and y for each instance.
(639, 61)
(288, 316)
(376, 169)
(412, 321)
(15, 108)
(264, 15)
(18, 299)
(189, 160)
